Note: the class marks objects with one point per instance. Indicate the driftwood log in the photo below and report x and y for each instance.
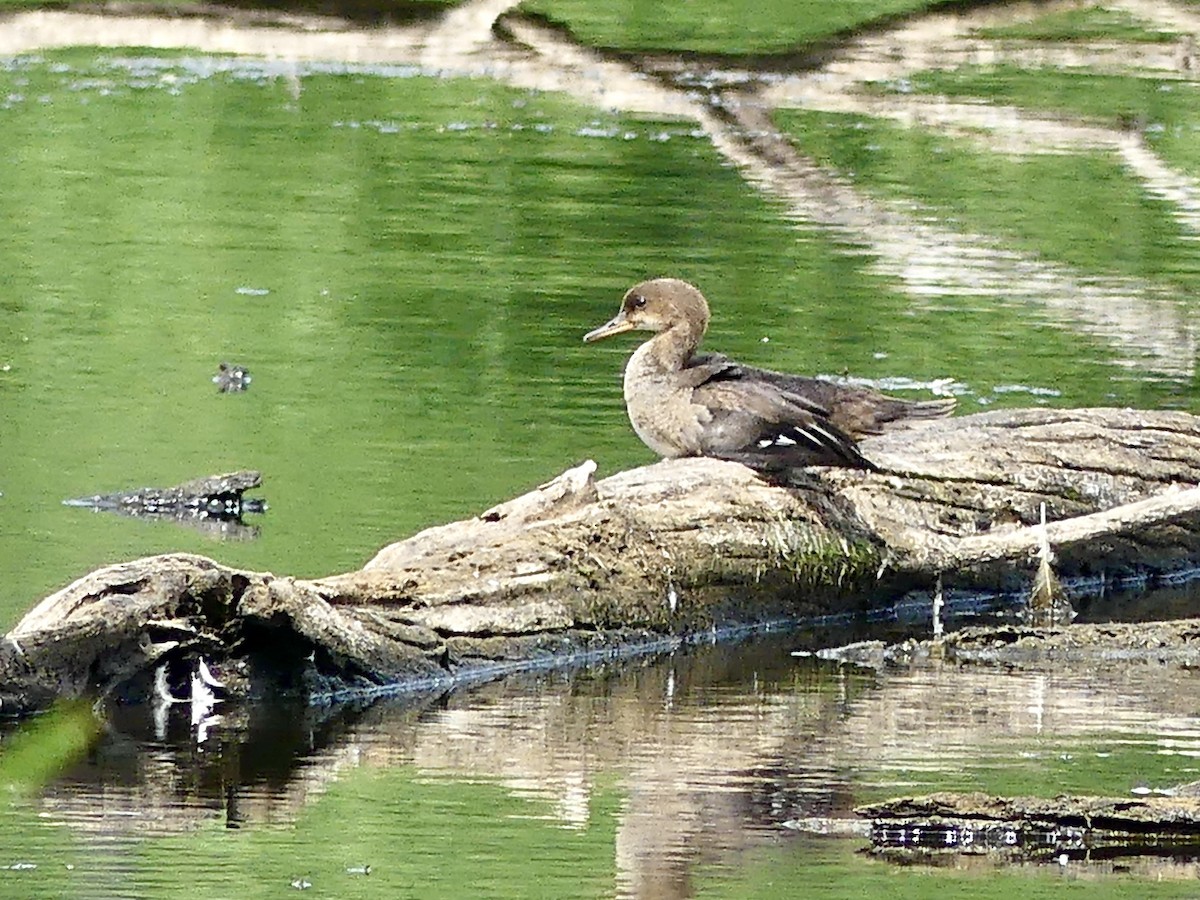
(214, 504)
(1034, 827)
(1090, 647)
(219, 496)
(647, 556)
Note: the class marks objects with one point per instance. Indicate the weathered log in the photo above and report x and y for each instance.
(1035, 827)
(652, 554)
(1090, 647)
(214, 503)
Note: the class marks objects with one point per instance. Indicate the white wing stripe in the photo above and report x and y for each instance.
(834, 441)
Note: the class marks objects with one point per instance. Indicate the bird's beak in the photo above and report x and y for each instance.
(618, 324)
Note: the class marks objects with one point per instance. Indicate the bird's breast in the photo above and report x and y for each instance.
(662, 412)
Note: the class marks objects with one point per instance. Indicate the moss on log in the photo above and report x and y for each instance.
(652, 554)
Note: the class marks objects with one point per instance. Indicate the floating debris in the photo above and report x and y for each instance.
(214, 503)
(1029, 828)
(231, 378)
(217, 496)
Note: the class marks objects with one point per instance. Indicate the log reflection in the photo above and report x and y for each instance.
(715, 752)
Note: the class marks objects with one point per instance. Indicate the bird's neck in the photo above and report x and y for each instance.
(671, 350)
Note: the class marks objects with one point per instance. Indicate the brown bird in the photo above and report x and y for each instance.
(682, 403)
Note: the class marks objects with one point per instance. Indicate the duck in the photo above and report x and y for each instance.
(685, 403)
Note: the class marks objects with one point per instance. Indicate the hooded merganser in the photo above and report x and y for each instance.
(686, 404)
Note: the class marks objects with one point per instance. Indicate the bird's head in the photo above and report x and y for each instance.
(657, 305)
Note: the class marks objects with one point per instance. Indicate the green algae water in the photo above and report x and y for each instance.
(406, 263)
(406, 266)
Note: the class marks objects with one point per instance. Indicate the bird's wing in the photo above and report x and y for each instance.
(714, 368)
(705, 367)
(756, 424)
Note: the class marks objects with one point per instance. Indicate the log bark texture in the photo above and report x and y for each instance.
(652, 554)
(1033, 828)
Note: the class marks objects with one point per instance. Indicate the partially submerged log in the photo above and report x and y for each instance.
(1088, 647)
(653, 554)
(214, 495)
(213, 503)
(1035, 827)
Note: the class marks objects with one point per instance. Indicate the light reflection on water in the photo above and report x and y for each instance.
(711, 754)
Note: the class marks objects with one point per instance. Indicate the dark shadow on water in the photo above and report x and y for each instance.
(1160, 605)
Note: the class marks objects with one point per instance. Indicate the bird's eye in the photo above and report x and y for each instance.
(637, 301)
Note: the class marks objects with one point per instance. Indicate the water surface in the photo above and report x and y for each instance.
(406, 263)
(696, 774)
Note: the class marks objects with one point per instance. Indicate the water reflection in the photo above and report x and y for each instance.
(931, 260)
(715, 751)
(440, 248)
